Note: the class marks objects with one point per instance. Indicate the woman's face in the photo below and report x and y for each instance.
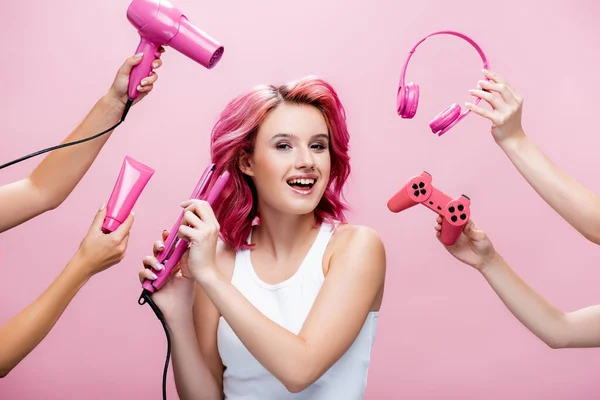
(291, 162)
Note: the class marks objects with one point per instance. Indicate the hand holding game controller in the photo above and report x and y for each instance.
(455, 212)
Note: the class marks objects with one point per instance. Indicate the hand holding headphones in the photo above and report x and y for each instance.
(507, 107)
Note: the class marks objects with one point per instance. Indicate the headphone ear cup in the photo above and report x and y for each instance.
(445, 118)
(400, 100)
(408, 100)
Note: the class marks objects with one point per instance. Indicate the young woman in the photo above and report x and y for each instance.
(557, 329)
(575, 203)
(46, 188)
(286, 304)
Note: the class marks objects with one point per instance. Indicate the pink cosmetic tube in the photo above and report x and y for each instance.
(131, 182)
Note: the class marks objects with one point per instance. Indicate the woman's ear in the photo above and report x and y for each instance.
(245, 164)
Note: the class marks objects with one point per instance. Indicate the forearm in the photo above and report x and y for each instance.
(284, 354)
(21, 334)
(576, 204)
(532, 310)
(193, 379)
(59, 173)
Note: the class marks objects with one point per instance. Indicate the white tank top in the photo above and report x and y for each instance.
(288, 304)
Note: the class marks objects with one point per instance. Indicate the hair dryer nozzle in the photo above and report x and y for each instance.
(196, 44)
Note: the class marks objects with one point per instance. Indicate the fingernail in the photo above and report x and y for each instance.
(158, 266)
(132, 213)
(102, 206)
(139, 87)
(182, 203)
(154, 64)
(153, 275)
(139, 55)
(467, 104)
(161, 246)
(143, 82)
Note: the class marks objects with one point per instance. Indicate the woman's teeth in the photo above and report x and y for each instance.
(301, 182)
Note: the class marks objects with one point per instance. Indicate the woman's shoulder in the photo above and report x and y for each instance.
(346, 234)
(357, 249)
(356, 241)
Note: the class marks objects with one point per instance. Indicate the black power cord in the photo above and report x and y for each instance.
(147, 298)
(60, 146)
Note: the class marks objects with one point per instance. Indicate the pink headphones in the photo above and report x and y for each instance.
(408, 95)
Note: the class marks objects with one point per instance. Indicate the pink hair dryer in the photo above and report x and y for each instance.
(175, 246)
(159, 23)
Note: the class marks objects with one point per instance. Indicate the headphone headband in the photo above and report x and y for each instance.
(458, 34)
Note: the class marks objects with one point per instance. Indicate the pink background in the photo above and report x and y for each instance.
(443, 332)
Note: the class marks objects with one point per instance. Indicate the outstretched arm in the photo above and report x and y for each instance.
(557, 329)
(53, 180)
(576, 204)
(22, 333)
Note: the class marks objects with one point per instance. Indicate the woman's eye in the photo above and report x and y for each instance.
(283, 146)
(319, 146)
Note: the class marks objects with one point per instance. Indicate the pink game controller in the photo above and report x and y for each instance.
(455, 213)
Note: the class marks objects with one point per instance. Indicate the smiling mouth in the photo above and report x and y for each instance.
(302, 184)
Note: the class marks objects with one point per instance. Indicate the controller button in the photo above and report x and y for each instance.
(431, 202)
(439, 208)
(465, 196)
(414, 186)
(423, 191)
(451, 209)
(460, 207)
(454, 219)
(463, 216)
(421, 185)
(416, 193)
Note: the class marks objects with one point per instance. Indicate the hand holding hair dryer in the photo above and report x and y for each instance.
(159, 23)
(132, 180)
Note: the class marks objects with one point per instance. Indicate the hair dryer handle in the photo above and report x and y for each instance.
(144, 68)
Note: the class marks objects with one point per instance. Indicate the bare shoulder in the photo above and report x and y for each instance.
(357, 253)
(358, 237)
(225, 258)
(355, 244)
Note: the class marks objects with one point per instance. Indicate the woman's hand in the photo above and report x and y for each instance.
(200, 229)
(176, 297)
(507, 107)
(117, 94)
(472, 247)
(99, 251)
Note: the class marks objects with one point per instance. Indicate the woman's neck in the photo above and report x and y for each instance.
(279, 234)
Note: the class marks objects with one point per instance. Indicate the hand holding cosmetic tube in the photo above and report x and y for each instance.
(97, 252)
(131, 182)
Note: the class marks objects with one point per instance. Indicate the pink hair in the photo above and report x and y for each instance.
(235, 132)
